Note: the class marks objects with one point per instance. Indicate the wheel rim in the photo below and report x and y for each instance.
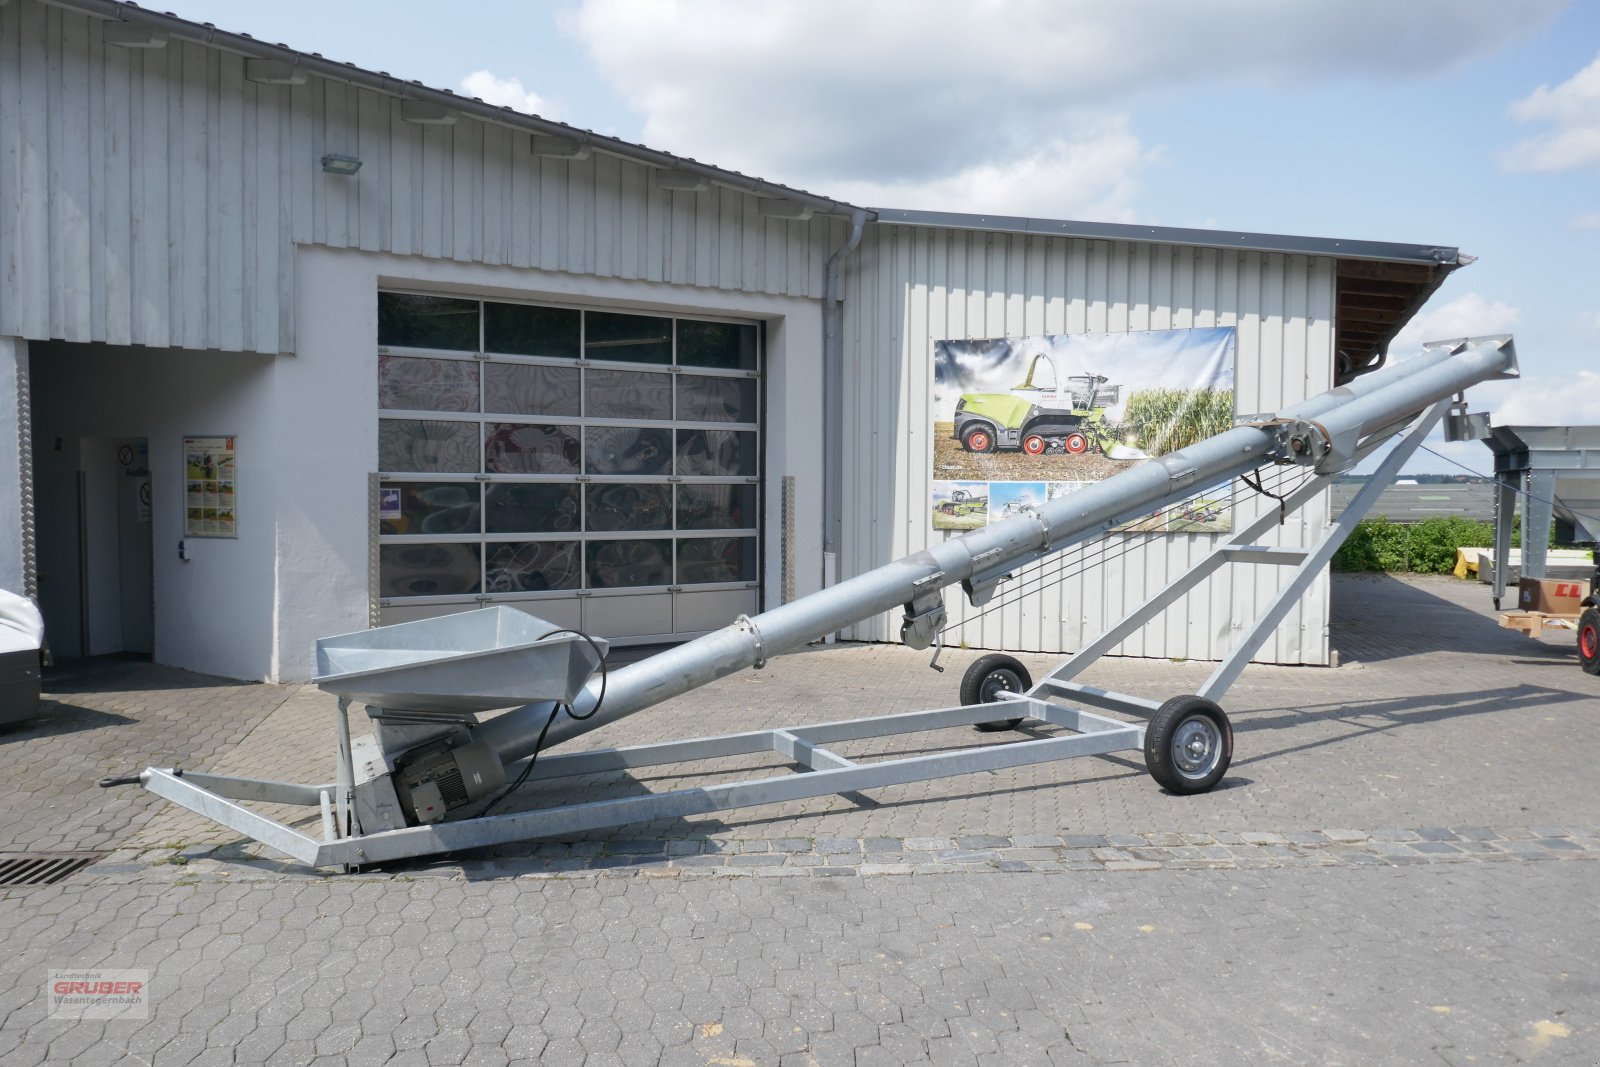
(1033, 445)
(1196, 746)
(997, 682)
(1589, 642)
(978, 440)
(1076, 443)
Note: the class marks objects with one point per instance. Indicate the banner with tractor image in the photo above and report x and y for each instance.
(1021, 420)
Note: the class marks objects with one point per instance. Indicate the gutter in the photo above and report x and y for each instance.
(833, 397)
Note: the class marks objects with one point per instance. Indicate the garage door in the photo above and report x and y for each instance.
(598, 468)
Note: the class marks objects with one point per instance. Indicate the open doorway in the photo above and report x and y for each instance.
(96, 568)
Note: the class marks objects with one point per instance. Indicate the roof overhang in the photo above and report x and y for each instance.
(1380, 284)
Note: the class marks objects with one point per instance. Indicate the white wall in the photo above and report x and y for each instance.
(213, 613)
(910, 286)
(327, 397)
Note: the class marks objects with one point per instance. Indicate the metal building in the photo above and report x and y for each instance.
(297, 347)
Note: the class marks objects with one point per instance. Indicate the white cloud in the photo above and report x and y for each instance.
(1573, 110)
(1568, 401)
(505, 92)
(1468, 315)
(1092, 174)
(1590, 221)
(931, 101)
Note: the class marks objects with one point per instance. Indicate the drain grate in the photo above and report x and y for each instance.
(42, 868)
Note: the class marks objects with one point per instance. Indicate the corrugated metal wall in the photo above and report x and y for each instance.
(912, 286)
(154, 196)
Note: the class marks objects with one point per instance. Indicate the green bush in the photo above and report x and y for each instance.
(1426, 547)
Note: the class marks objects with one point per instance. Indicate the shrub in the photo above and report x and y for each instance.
(1427, 547)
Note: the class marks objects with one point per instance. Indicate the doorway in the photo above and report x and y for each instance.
(96, 563)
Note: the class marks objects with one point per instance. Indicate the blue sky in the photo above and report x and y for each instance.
(1341, 118)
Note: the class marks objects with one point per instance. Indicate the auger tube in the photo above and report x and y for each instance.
(1323, 431)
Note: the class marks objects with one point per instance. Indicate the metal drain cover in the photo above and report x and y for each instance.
(42, 868)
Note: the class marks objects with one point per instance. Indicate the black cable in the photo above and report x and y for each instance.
(555, 710)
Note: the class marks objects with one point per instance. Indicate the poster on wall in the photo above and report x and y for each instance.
(1019, 421)
(209, 487)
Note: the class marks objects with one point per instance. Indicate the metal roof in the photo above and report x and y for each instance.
(382, 81)
(1177, 235)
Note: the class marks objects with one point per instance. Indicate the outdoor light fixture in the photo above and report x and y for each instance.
(127, 35)
(273, 72)
(558, 147)
(344, 166)
(426, 113)
(681, 181)
(785, 209)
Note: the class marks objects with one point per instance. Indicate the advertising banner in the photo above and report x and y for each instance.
(1018, 421)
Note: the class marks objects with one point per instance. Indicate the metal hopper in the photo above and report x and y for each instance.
(495, 657)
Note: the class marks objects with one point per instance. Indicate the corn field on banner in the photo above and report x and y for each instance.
(1021, 420)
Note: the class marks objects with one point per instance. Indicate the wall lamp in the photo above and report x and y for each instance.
(344, 166)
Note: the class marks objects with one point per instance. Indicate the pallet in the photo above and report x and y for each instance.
(1533, 623)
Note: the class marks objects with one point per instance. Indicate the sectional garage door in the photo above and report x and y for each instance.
(595, 467)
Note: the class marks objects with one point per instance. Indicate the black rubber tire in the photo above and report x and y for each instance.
(988, 437)
(1589, 640)
(1188, 745)
(991, 674)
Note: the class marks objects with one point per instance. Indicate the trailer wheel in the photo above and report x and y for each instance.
(1076, 443)
(978, 439)
(1589, 640)
(987, 678)
(1034, 445)
(1188, 745)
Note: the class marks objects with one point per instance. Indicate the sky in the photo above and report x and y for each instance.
(1467, 123)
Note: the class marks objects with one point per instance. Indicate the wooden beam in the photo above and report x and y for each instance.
(1417, 274)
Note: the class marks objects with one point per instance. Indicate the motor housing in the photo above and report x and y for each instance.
(439, 779)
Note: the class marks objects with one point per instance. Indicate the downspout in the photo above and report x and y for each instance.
(833, 400)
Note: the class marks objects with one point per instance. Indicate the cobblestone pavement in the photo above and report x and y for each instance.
(106, 719)
(1400, 869)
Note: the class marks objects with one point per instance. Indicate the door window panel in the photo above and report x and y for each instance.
(716, 453)
(703, 560)
(533, 566)
(526, 389)
(531, 507)
(427, 570)
(706, 399)
(726, 345)
(716, 507)
(623, 563)
(629, 507)
(524, 448)
(434, 508)
(628, 394)
(406, 320)
(427, 384)
(627, 338)
(528, 330)
(628, 450)
(428, 446)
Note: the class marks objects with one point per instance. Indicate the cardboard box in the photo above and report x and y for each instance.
(1553, 596)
